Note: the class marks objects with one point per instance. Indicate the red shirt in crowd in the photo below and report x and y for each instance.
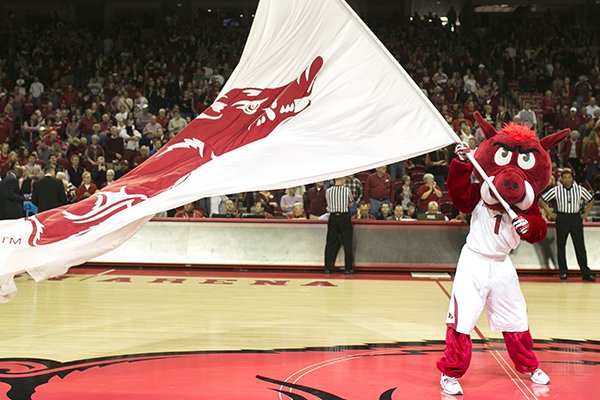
(423, 205)
(590, 153)
(86, 124)
(163, 121)
(82, 190)
(379, 187)
(314, 201)
(185, 214)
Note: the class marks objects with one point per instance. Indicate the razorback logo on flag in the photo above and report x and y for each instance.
(239, 117)
(314, 96)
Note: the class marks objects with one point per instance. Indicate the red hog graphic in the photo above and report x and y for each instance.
(240, 117)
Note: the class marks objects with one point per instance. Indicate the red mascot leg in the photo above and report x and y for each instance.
(457, 355)
(520, 349)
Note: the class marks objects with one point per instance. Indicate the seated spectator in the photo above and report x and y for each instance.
(378, 188)
(314, 201)
(363, 212)
(289, 200)
(87, 187)
(385, 212)
(189, 212)
(268, 199)
(433, 209)
(229, 211)
(429, 191)
(411, 211)
(259, 209)
(404, 193)
(297, 211)
(398, 213)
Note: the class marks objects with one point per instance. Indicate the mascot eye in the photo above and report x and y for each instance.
(249, 106)
(526, 160)
(503, 156)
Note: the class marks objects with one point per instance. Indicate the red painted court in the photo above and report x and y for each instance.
(268, 352)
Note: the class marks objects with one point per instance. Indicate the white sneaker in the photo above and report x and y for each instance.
(450, 385)
(540, 377)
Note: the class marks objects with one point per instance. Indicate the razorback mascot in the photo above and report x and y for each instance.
(519, 166)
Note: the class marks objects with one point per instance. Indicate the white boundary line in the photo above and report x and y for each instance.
(108, 271)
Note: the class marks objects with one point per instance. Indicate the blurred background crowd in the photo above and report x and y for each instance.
(86, 105)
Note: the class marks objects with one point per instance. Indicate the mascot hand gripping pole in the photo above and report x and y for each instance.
(519, 167)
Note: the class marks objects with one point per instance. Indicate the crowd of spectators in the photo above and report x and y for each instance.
(88, 105)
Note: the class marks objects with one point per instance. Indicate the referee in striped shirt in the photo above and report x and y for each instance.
(568, 197)
(338, 198)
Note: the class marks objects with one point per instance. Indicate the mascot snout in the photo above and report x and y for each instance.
(514, 188)
(510, 183)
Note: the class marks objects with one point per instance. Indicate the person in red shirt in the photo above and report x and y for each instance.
(86, 124)
(363, 213)
(378, 188)
(548, 108)
(314, 201)
(428, 191)
(162, 118)
(561, 117)
(69, 96)
(573, 121)
(189, 212)
(87, 188)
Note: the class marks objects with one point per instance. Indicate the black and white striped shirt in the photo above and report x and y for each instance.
(338, 198)
(569, 200)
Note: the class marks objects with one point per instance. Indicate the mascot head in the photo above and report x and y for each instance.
(516, 161)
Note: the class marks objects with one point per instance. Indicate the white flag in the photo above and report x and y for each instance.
(314, 96)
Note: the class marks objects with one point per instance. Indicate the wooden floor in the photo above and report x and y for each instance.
(58, 330)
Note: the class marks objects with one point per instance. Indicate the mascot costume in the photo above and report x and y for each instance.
(519, 166)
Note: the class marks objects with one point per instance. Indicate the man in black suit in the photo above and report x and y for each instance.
(11, 201)
(48, 192)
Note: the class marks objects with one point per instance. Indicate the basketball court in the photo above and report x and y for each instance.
(101, 333)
